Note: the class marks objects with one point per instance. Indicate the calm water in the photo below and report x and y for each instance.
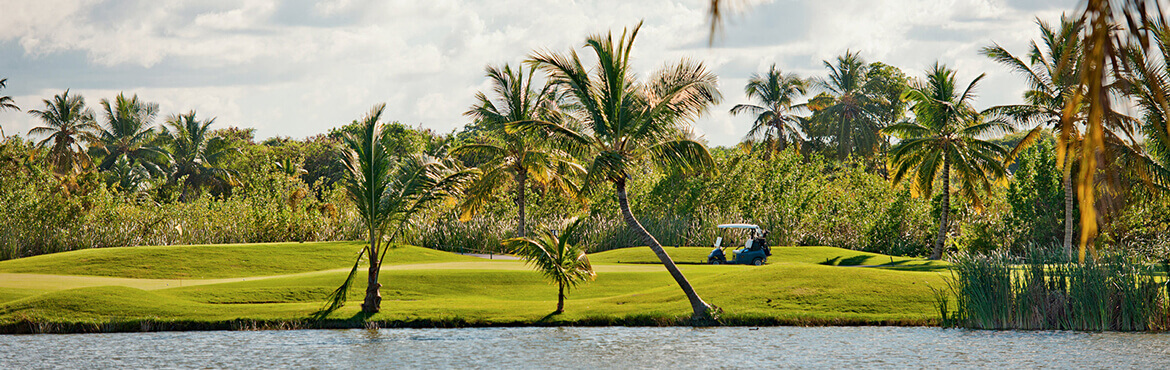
(589, 348)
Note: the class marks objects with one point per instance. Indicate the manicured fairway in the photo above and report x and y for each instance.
(271, 283)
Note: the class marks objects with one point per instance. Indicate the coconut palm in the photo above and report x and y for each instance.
(853, 115)
(388, 194)
(1150, 82)
(1113, 30)
(6, 102)
(129, 133)
(627, 124)
(68, 123)
(1052, 74)
(944, 136)
(557, 259)
(511, 159)
(200, 157)
(775, 123)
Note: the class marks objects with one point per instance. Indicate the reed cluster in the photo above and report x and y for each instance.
(1046, 291)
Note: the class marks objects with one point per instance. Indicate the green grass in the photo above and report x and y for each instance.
(428, 287)
(815, 255)
(215, 261)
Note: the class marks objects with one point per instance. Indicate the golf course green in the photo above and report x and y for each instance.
(282, 285)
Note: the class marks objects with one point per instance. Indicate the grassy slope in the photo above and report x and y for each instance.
(793, 286)
(215, 261)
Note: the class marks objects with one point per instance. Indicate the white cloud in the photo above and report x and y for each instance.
(298, 68)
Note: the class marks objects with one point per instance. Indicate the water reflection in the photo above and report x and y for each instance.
(616, 347)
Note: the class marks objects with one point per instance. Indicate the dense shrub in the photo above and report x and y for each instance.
(45, 213)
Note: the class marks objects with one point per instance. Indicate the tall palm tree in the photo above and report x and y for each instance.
(200, 156)
(853, 114)
(775, 123)
(68, 123)
(557, 259)
(626, 124)
(512, 158)
(388, 194)
(1113, 30)
(129, 133)
(1053, 77)
(6, 102)
(1150, 87)
(943, 137)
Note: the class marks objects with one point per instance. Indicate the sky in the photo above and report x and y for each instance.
(298, 68)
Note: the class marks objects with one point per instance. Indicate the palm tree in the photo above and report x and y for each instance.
(68, 123)
(513, 158)
(775, 124)
(1053, 77)
(129, 133)
(945, 136)
(853, 114)
(1150, 81)
(6, 102)
(200, 157)
(388, 194)
(557, 259)
(627, 124)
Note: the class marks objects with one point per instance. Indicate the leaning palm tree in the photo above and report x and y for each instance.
(129, 133)
(1052, 74)
(627, 124)
(945, 136)
(558, 260)
(775, 125)
(200, 157)
(511, 159)
(388, 195)
(6, 103)
(853, 114)
(68, 123)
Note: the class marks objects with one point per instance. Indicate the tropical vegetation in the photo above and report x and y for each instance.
(862, 157)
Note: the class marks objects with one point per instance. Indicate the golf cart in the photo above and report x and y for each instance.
(754, 251)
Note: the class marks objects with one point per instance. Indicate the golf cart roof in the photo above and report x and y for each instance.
(738, 226)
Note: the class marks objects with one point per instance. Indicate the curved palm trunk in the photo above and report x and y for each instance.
(944, 218)
(521, 180)
(373, 302)
(702, 310)
(1068, 210)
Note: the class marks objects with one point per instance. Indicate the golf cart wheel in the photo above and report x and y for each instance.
(713, 261)
(758, 262)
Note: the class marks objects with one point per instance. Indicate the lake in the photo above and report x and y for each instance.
(592, 347)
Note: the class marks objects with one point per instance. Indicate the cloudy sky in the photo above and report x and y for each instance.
(297, 68)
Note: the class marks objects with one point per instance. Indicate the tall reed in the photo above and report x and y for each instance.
(1044, 290)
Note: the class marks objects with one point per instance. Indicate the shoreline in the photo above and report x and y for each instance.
(146, 326)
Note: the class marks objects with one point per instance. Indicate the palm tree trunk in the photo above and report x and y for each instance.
(183, 194)
(561, 299)
(944, 215)
(702, 311)
(373, 302)
(521, 179)
(1069, 199)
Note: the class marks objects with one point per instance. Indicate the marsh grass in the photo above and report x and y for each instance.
(1044, 291)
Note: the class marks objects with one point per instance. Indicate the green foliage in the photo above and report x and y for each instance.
(817, 202)
(1046, 292)
(560, 261)
(48, 215)
(1036, 199)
